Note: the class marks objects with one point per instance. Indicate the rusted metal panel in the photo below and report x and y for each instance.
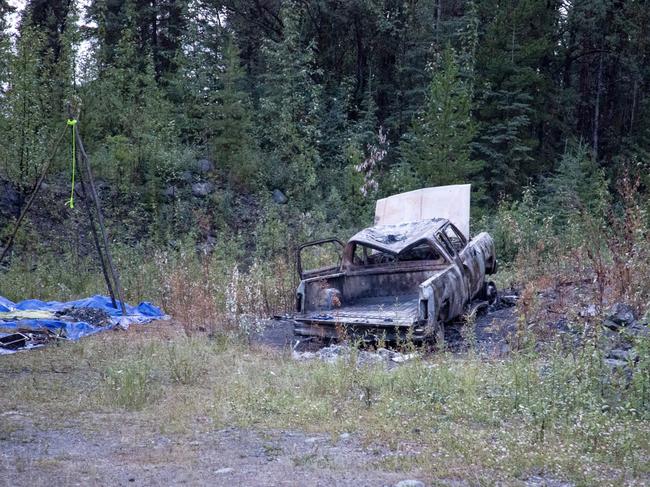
(397, 237)
(382, 311)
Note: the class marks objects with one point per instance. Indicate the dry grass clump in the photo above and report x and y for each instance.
(575, 271)
(209, 294)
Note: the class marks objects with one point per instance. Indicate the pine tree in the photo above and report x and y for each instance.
(158, 29)
(604, 52)
(504, 143)
(55, 24)
(51, 19)
(197, 82)
(231, 143)
(28, 108)
(577, 185)
(517, 103)
(128, 114)
(6, 60)
(290, 110)
(5, 44)
(411, 44)
(437, 148)
(111, 19)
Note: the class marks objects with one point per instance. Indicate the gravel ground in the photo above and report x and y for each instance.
(125, 455)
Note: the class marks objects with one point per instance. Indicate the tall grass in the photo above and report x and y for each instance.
(212, 293)
(131, 384)
(559, 412)
(589, 258)
(219, 296)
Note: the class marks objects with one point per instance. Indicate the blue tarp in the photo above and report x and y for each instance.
(5, 304)
(142, 313)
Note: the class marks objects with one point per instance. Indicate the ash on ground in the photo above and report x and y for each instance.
(92, 316)
(335, 353)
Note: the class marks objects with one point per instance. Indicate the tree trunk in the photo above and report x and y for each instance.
(438, 13)
(358, 34)
(599, 87)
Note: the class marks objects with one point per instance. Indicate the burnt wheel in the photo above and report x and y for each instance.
(489, 292)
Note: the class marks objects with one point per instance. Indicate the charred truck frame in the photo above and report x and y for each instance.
(395, 280)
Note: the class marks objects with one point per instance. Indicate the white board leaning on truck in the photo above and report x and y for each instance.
(450, 202)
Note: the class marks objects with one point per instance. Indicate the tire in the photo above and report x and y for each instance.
(489, 292)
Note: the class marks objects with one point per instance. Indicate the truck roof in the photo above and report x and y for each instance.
(397, 237)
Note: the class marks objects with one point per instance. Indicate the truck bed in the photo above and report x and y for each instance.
(378, 311)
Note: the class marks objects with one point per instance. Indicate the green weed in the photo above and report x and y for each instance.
(186, 361)
(131, 385)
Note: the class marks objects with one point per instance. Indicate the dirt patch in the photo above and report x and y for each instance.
(126, 455)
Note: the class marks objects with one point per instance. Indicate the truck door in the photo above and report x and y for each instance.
(457, 297)
(471, 262)
(319, 258)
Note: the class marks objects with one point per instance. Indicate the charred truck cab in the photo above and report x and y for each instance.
(415, 270)
(393, 280)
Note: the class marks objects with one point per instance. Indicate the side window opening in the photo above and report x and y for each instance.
(446, 244)
(319, 257)
(366, 256)
(423, 251)
(455, 238)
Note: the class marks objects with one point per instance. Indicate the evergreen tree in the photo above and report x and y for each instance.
(437, 148)
(55, 24)
(298, 104)
(605, 48)
(6, 59)
(5, 44)
(232, 144)
(129, 116)
(50, 19)
(28, 107)
(468, 41)
(577, 185)
(36, 77)
(517, 102)
(161, 25)
(504, 142)
(197, 81)
(111, 18)
(290, 110)
(158, 28)
(399, 65)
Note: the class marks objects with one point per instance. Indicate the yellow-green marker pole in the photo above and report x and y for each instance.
(72, 123)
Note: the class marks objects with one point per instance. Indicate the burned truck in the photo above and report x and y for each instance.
(393, 281)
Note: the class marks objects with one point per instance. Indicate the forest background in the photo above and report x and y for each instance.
(238, 128)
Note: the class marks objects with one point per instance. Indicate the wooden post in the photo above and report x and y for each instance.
(83, 159)
(91, 219)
